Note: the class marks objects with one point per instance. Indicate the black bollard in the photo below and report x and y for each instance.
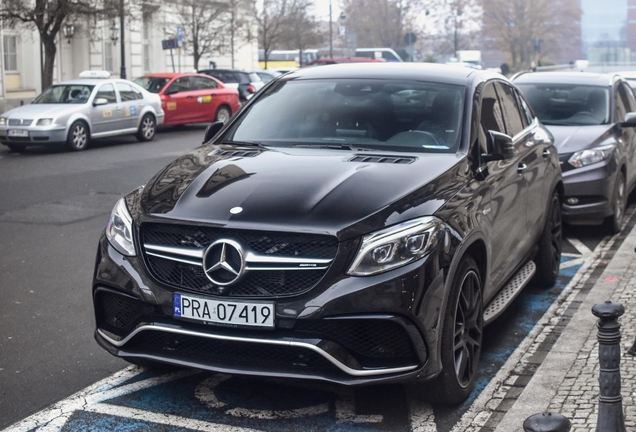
(547, 422)
(610, 410)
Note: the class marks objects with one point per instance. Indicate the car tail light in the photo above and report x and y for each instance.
(251, 89)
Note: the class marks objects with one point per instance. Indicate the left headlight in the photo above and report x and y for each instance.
(3, 121)
(119, 229)
(590, 156)
(44, 122)
(396, 246)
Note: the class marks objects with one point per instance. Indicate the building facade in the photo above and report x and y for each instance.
(95, 45)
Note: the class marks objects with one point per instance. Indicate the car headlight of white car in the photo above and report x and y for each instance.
(119, 229)
(3, 121)
(44, 122)
(396, 246)
(591, 156)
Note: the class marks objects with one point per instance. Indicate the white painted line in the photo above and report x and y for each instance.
(572, 263)
(578, 244)
(422, 416)
(346, 411)
(164, 419)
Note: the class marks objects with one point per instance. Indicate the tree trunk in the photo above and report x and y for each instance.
(50, 49)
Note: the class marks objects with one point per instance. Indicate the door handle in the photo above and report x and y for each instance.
(546, 153)
(190, 97)
(522, 167)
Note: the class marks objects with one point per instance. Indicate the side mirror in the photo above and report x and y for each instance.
(630, 120)
(100, 101)
(212, 130)
(500, 147)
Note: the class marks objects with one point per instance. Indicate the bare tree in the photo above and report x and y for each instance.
(381, 23)
(205, 23)
(301, 30)
(458, 24)
(271, 19)
(514, 25)
(47, 17)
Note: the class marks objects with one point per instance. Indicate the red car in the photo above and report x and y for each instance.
(191, 97)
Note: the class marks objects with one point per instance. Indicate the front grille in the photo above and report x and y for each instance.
(20, 122)
(255, 283)
(365, 339)
(117, 312)
(233, 354)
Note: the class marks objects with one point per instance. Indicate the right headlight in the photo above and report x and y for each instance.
(396, 246)
(590, 156)
(119, 229)
(3, 121)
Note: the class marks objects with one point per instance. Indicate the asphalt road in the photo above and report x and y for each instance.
(53, 205)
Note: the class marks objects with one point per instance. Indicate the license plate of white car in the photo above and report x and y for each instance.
(18, 132)
(224, 312)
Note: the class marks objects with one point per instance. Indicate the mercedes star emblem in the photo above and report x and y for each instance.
(223, 262)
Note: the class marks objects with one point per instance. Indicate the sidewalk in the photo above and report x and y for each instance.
(558, 370)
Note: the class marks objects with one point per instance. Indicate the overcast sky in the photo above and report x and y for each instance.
(322, 9)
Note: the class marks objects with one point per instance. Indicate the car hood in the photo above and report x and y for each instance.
(33, 111)
(569, 139)
(290, 189)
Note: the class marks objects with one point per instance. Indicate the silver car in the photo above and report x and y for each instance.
(73, 112)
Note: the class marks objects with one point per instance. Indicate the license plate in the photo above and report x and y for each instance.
(18, 132)
(224, 312)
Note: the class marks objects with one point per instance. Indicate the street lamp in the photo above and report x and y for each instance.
(69, 31)
(122, 73)
(330, 33)
(114, 32)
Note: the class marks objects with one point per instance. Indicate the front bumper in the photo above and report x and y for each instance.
(593, 187)
(37, 135)
(359, 330)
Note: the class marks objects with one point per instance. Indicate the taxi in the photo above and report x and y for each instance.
(191, 97)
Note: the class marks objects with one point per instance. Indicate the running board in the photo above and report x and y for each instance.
(509, 292)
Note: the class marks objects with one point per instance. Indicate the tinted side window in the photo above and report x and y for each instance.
(622, 103)
(242, 78)
(630, 97)
(491, 116)
(107, 91)
(510, 108)
(179, 85)
(201, 83)
(526, 111)
(125, 92)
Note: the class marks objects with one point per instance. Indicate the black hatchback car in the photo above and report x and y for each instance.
(365, 237)
(592, 117)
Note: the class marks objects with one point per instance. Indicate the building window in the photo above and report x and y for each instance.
(108, 56)
(10, 53)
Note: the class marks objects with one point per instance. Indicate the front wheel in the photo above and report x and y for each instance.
(77, 138)
(615, 222)
(223, 114)
(147, 128)
(548, 257)
(461, 338)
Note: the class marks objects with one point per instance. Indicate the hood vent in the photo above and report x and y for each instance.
(383, 159)
(235, 153)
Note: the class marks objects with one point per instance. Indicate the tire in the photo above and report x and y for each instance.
(77, 139)
(223, 114)
(147, 128)
(614, 223)
(17, 147)
(548, 257)
(461, 338)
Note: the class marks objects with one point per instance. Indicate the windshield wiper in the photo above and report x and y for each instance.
(326, 146)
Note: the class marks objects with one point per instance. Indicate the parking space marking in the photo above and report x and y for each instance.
(580, 246)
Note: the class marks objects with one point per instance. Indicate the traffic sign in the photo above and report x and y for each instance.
(179, 36)
(410, 38)
(169, 44)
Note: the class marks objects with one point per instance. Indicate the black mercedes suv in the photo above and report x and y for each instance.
(353, 223)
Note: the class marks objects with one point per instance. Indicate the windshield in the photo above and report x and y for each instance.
(378, 114)
(65, 94)
(568, 104)
(152, 84)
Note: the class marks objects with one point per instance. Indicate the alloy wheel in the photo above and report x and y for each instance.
(468, 329)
